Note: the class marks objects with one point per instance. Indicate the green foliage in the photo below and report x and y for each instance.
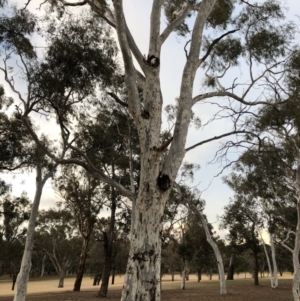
(81, 54)
(221, 13)
(170, 8)
(264, 40)
(14, 213)
(15, 145)
(55, 236)
(15, 26)
(172, 111)
(242, 219)
(5, 101)
(264, 36)
(293, 76)
(81, 198)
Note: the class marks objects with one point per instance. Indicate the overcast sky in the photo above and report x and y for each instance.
(216, 194)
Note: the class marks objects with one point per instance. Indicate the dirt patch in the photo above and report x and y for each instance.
(238, 290)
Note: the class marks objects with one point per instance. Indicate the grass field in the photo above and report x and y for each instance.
(241, 289)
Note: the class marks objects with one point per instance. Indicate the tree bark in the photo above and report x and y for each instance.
(142, 279)
(187, 274)
(216, 251)
(14, 278)
(183, 279)
(256, 268)
(199, 275)
(296, 265)
(106, 268)
(23, 275)
(81, 266)
(43, 265)
(275, 273)
(108, 245)
(230, 273)
(271, 272)
(62, 275)
(113, 276)
(172, 275)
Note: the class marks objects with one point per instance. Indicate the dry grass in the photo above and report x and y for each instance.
(238, 290)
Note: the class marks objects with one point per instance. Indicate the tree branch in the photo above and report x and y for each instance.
(212, 45)
(118, 100)
(134, 104)
(80, 3)
(234, 96)
(88, 167)
(172, 26)
(217, 138)
(154, 45)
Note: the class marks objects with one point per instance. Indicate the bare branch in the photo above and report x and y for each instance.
(234, 96)
(186, 52)
(217, 138)
(212, 45)
(287, 237)
(118, 100)
(251, 5)
(28, 2)
(88, 167)
(80, 3)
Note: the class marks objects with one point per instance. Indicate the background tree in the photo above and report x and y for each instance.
(14, 212)
(56, 238)
(82, 198)
(261, 42)
(242, 220)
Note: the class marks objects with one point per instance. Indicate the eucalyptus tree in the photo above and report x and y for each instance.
(82, 198)
(278, 131)
(19, 152)
(286, 194)
(259, 173)
(56, 237)
(14, 213)
(242, 219)
(194, 202)
(48, 90)
(260, 41)
(112, 145)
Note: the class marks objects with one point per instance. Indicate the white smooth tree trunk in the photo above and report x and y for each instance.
(271, 272)
(275, 272)
(296, 265)
(217, 253)
(183, 279)
(23, 276)
(295, 255)
(43, 266)
(62, 275)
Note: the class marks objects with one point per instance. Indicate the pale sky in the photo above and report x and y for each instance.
(217, 195)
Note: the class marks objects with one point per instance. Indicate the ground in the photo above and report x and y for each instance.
(207, 290)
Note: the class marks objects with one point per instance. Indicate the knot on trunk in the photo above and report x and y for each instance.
(142, 256)
(163, 182)
(152, 61)
(145, 114)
